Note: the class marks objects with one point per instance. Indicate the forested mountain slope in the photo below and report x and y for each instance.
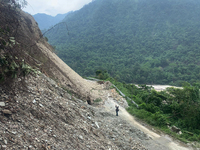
(145, 41)
(45, 21)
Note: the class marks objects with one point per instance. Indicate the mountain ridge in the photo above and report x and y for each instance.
(157, 40)
(46, 21)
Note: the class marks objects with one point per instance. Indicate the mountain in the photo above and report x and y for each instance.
(37, 112)
(145, 41)
(44, 104)
(46, 21)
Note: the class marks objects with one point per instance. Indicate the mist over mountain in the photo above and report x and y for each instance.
(46, 21)
(140, 41)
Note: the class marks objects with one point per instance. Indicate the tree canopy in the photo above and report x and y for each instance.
(146, 41)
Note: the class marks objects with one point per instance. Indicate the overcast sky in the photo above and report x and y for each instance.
(54, 7)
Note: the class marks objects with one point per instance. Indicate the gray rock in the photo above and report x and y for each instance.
(7, 112)
(81, 137)
(41, 105)
(5, 141)
(2, 104)
(97, 124)
(175, 129)
(13, 132)
(4, 146)
(180, 133)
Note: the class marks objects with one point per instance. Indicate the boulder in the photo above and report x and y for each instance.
(175, 129)
(7, 112)
(2, 104)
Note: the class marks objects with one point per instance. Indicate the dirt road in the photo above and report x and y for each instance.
(164, 140)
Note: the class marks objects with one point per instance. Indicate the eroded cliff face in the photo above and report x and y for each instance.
(36, 51)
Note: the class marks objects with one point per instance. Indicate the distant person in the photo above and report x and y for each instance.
(89, 101)
(117, 109)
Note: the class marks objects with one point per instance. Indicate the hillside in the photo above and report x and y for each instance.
(46, 116)
(46, 108)
(149, 42)
(46, 21)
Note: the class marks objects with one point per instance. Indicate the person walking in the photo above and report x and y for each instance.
(117, 109)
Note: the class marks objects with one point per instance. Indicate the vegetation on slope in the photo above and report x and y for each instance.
(19, 54)
(146, 41)
(173, 106)
(12, 64)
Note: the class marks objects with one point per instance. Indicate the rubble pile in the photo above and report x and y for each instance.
(41, 115)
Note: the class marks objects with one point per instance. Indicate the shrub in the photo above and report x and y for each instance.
(142, 106)
(97, 100)
(152, 108)
(159, 118)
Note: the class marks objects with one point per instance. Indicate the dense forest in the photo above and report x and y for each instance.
(145, 41)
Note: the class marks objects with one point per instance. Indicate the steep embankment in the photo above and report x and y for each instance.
(69, 77)
(45, 116)
(39, 54)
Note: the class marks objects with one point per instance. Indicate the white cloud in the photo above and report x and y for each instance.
(54, 7)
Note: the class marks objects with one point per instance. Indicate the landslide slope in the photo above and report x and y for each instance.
(34, 50)
(37, 112)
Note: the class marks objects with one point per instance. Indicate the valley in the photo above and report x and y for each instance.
(46, 104)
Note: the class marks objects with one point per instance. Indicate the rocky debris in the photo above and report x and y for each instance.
(118, 98)
(45, 116)
(107, 85)
(138, 146)
(122, 133)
